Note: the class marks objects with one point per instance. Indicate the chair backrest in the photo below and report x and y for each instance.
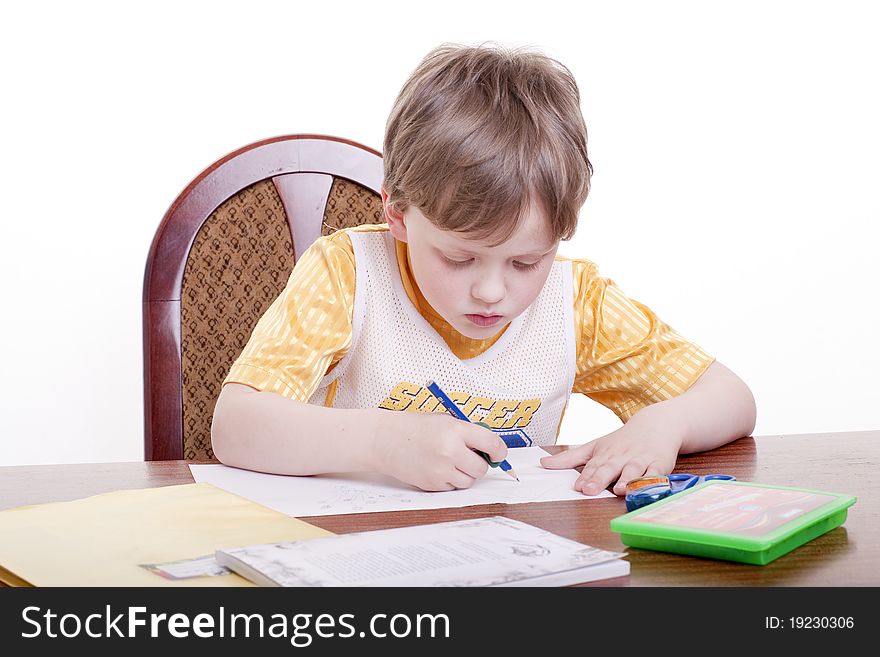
(222, 254)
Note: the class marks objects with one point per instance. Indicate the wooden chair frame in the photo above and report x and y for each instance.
(304, 198)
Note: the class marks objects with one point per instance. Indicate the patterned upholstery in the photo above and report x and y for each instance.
(348, 205)
(239, 263)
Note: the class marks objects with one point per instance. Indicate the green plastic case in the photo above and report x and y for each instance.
(734, 520)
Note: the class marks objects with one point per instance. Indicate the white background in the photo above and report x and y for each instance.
(736, 148)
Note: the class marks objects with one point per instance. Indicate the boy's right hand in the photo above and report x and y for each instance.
(433, 451)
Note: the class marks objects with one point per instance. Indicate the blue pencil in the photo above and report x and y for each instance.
(453, 408)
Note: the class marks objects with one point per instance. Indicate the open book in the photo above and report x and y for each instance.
(494, 551)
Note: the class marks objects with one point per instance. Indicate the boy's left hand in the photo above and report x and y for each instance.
(621, 456)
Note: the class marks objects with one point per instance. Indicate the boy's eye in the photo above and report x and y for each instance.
(526, 266)
(457, 263)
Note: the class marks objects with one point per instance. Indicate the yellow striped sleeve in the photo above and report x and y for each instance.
(307, 329)
(627, 358)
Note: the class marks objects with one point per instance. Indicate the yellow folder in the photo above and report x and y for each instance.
(104, 539)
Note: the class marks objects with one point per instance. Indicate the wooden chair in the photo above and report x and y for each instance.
(223, 252)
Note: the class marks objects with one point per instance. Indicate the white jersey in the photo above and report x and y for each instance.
(519, 387)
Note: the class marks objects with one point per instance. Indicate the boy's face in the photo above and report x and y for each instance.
(476, 287)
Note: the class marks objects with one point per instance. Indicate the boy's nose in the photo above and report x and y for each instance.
(488, 289)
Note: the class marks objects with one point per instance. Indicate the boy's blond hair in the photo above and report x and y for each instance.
(478, 133)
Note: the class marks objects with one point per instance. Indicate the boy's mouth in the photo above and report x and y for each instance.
(484, 320)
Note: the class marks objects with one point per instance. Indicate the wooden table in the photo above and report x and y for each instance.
(837, 462)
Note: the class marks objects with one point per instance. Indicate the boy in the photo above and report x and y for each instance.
(486, 168)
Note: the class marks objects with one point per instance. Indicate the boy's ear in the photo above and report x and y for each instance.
(396, 220)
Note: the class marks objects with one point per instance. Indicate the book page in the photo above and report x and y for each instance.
(323, 495)
(478, 552)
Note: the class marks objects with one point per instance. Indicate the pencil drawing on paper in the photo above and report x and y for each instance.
(355, 499)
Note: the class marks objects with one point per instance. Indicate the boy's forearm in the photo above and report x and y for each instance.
(266, 432)
(717, 409)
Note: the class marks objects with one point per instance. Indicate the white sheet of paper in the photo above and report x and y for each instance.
(324, 495)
